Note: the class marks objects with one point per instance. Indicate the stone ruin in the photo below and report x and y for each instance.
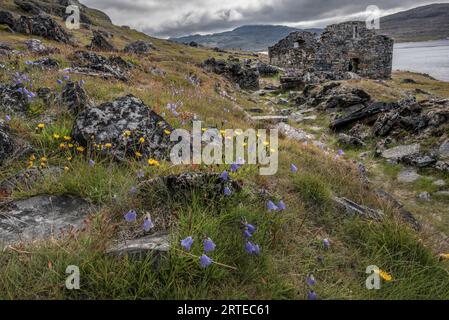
(341, 51)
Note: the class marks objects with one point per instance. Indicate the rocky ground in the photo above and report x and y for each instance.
(85, 179)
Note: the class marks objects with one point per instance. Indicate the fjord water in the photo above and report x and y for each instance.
(431, 57)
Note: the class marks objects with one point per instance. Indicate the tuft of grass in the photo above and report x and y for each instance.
(312, 189)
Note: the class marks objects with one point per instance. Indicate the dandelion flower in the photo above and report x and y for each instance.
(384, 275)
(80, 149)
(70, 145)
(62, 145)
(209, 245)
(153, 162)
(127, 133)
(167, 132)
(108, 145)
(205, 261)
(138, 154)
(67, 138)
(41, 126)
(32, 157)
(141, 140)
(444, 256)
(56, 136)
(187, 243)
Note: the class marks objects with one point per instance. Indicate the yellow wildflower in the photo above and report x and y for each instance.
(384, 275)
(32, 157)
(30, 164)
(80, 149)
(66, 169)
(56, 136)
(138, 154)
(167, 132)
(153, 162)
(41, 126)
(62, 145)
(67, 138)
(127, 133)
(43, 159)
(142, 140)
(69, 158)
(444, 256)
(108, 145)
(70, 145)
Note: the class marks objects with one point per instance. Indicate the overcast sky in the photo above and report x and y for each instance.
(172, 18)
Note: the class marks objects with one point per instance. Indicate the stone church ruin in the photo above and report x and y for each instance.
(341, 51)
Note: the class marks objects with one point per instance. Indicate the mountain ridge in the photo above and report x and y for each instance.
(430, 22)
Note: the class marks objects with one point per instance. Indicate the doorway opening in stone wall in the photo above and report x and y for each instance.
(354, 65)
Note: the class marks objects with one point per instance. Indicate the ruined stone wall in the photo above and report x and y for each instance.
(342, 48)
(297, 50)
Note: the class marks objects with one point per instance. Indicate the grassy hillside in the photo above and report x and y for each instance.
(424, 23)
(291, 241)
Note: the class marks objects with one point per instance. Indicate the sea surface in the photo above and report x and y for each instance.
(431, 57)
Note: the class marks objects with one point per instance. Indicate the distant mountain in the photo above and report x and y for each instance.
(424, 23)
(250, 38)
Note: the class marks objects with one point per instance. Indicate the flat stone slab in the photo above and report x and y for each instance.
(293, 133)
(270, 119)
(156, 243)
(408, 175)
(400, 152)
(443, 151)
(41, 217)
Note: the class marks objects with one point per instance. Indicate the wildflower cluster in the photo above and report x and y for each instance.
(208, 246)
(25, 85)
(248, 232)
(131, 217)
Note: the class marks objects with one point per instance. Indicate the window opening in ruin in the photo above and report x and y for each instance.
(355, 32)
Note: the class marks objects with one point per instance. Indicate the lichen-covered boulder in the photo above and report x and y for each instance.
(139, 47)
(243, 74)
(100, 43)
(7, 18)
(123, 123)
(74, 97)
(91, 63)
(12, 99)
(6, 142)
(43, 26)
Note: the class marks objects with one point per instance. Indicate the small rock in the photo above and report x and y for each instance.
(139, 47)
(439, 183)
(6, 142)
(348, 140)
(293, 133)
(75, 98)
(408, 175)
(152, 244)
(100, 43)
(7, 18)
(400, 152)
(424, 196)
(443, 151)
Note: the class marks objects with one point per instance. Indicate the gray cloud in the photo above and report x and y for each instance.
(167, 18)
